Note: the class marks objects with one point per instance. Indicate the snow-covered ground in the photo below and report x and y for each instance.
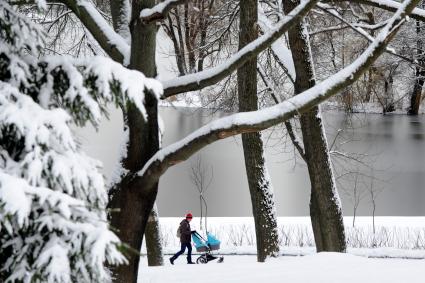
(387, 263)
(322, 267)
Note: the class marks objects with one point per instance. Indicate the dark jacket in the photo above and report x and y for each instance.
(185, 236)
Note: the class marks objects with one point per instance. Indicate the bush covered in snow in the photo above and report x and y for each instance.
(236, 232)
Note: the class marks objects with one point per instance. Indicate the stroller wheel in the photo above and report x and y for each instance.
(201, 260)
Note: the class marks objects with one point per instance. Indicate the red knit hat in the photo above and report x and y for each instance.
(189, 215)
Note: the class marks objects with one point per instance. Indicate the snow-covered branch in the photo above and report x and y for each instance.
(213, 75)
(392, 6)
(159, 11)
(279, 46)
(113, 44)
(262, 119)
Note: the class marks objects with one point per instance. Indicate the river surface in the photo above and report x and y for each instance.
(372, 154)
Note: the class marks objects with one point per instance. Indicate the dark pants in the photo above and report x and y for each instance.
(182, 249)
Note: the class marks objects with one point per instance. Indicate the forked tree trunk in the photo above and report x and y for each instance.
(260, 187)
(134, 199)
(325, 207)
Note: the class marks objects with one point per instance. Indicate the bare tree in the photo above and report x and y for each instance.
(201, 176)
(356, 197)
(373, 193)
(198, 30)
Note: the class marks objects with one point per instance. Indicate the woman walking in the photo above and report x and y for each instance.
(184, 232)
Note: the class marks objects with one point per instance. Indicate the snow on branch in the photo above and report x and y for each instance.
(98, 80)
(279, 46)
(262, 119)
(159, 11)
(110, 41)
(213, 75)
(392, 6)
(52, 198)
(82, 86)
(19, 32)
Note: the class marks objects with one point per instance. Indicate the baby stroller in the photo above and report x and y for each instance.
(206, 247)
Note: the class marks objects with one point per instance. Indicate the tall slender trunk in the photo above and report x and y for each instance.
(153, 239)
(325, 207)
(368, 94)
(131, 196)
(262, 199)
(416, 97)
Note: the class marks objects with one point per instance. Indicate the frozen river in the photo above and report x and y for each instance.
(387, 154)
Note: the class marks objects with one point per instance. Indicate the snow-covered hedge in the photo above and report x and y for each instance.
(236, 232)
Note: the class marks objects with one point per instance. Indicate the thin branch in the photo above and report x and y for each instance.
(294, 138)
(262, 119)
(331, 10)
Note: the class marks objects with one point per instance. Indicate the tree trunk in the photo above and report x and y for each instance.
(262, 199)
(153, 240)
(325, 207)
(389, 105)
(132, 197)
(416, 98)
(369, 84)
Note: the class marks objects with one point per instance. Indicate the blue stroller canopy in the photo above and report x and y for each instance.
(202, 245)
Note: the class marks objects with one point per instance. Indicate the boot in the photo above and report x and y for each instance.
(189, 260)
(172, 259)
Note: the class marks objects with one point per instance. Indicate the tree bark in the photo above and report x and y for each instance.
(325, 207)
(119, 13)
(262, 199)
(415, 99)
(132, 196)
(153, 240)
